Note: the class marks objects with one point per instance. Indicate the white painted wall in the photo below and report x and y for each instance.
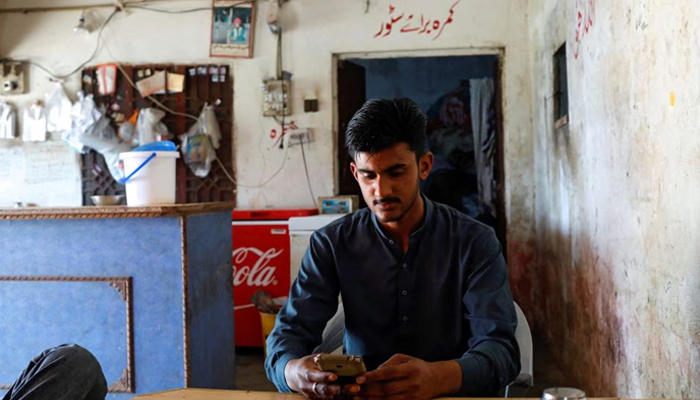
(316, 29)
(618, 222)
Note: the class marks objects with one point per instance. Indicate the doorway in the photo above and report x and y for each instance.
(461, 97)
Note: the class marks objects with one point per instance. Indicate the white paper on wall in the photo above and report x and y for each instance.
(46, 174)
(11, 170)
(48, 163)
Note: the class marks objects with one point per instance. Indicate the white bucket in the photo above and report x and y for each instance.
(154, 183)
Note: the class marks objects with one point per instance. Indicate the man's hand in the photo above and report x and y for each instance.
(303, 376)
(402, 378)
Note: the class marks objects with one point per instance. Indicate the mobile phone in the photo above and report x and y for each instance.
(345, 366)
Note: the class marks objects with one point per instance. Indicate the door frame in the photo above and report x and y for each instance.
(499, 83)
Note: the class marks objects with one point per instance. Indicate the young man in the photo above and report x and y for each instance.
(424, 287)
(66, 372)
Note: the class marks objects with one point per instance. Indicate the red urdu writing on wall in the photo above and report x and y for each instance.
(402, 23)
(585, 15)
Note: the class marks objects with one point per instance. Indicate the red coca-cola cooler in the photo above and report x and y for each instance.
(260, 260)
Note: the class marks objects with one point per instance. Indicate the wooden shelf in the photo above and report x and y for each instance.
(86, 212)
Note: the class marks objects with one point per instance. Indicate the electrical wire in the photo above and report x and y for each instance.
(306, 171)
(167, 109)
(120, 4)
(282, 122)
(51, 74)
(170, 11)
(223, 168)
(56, 77)
(153, 99)
(268, 180)
(160, 10)
(92, 57)
(280, 75)
(282, 125)
(278, 56)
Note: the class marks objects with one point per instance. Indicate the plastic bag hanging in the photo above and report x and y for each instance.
(102, 138)
(84, 115)
(200, 142)
(127, 130)
(58, 110)
(210, 126)
(34, 124)
(8, 121)
(149, 127)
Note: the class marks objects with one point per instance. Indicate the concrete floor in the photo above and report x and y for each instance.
(250, 373)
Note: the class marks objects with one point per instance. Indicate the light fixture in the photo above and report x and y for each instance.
(82, 27)
(272, 16)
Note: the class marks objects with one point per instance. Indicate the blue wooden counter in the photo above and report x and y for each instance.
(146, 289)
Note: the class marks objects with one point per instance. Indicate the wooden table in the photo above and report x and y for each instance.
(206, 394)
(210, 394)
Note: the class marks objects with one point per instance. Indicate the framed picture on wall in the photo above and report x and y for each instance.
(232, 28)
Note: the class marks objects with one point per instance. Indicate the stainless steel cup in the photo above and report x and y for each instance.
(563, 393)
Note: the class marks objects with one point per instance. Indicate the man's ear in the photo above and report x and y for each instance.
(353, 169)
(425, 165)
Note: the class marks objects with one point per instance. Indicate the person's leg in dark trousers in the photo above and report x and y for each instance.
(66, 372)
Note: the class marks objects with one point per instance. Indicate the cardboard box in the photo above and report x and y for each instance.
(338, 204)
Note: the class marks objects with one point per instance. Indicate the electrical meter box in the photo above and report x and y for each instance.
(277, 98)
(12, 78)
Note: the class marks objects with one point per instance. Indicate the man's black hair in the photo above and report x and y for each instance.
(382, 124)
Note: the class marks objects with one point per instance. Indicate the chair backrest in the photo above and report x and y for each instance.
(524, 338)
(332, 337)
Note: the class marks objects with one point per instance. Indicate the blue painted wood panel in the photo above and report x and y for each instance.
(91, 313)
(44, 313)
(148, 250)
(210, 302)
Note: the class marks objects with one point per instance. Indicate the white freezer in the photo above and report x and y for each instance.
(300, 230)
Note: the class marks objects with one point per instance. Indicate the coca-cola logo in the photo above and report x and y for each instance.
(261, 273)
